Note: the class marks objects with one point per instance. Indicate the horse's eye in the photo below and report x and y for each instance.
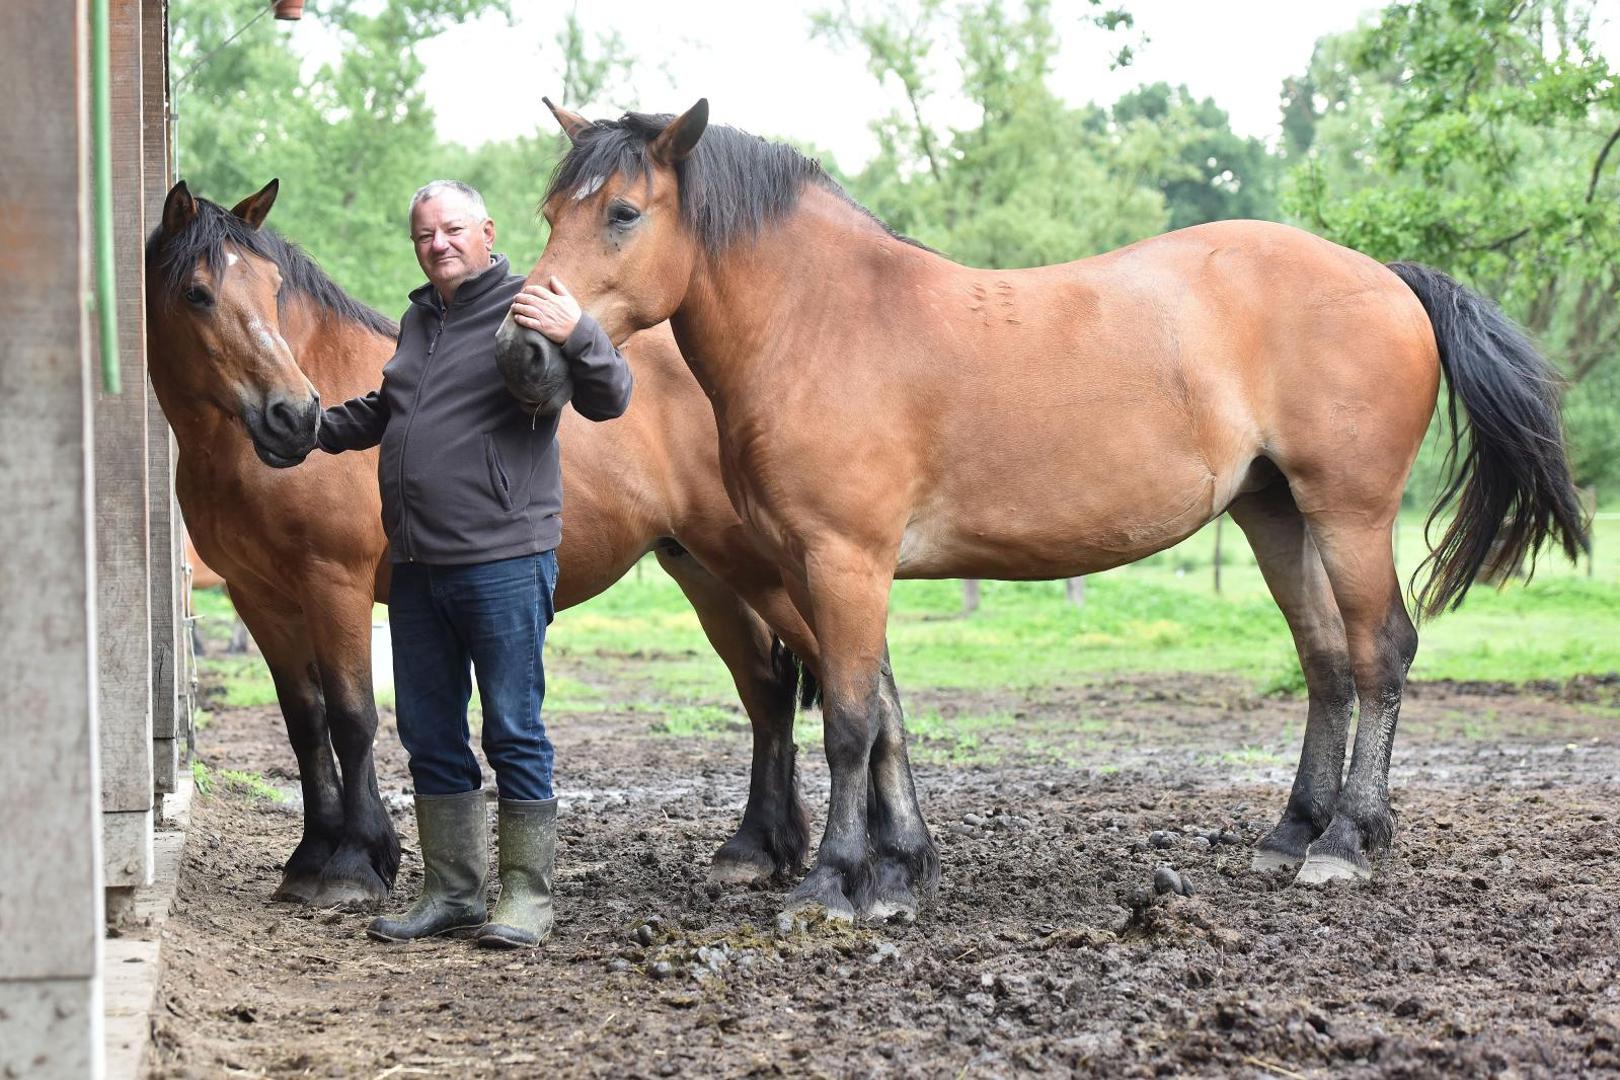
(623, 214)
(198, 296)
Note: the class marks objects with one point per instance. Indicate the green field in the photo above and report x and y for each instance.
(1158, 615)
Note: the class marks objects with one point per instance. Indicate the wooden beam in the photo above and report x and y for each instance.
(169, 716)
(50, 893)
(123, 597)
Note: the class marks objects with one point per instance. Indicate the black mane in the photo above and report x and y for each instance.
(170, 259)
(732, 185)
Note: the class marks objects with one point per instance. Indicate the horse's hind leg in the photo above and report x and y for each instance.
(1293, 571)
(1356, 552)
(361, 871)
(287, 652)
(905, 861)
(774, 836)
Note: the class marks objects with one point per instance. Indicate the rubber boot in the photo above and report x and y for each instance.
(527, 843)
(453, 831)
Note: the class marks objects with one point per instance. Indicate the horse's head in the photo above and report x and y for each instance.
(619, 240)
(214, 323)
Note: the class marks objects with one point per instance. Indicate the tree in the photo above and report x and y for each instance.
(1034, 181)
(1479, 136)
(1208, 172)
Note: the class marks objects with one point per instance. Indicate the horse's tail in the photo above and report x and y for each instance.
(1513, 491)
(792, 675)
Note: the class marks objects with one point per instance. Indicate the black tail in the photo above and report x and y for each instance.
(1513, 491)
(791, 673)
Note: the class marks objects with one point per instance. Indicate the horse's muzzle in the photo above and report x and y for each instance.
(283, 429)
(533, 368)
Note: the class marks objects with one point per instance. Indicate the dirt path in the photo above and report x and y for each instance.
(1488, 943)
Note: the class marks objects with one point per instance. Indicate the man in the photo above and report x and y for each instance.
(472, 497)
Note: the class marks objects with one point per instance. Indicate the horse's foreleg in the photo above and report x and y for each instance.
(1293, 571)
(287, 652)
(906, 863)
(361, 871)
(1356, 552)
(847, 595)
(774, 837)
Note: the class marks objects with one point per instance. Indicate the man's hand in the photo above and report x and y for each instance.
(552, 311)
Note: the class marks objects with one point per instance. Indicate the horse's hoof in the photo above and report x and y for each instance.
(1267, 860)
(1319, 869)
(892, 908)
(741, 868)
(361, 892)
(821, 893)
(297, 890)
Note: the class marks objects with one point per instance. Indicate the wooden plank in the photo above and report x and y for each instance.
(123, 596)
(50, 894)
(126, 837)
(164, 591)
(166, 771)
(52, 1029)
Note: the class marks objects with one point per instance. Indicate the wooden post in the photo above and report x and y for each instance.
(123, 587)
(51, 890)
(170, 713)
(970, 595)
(1075, 590)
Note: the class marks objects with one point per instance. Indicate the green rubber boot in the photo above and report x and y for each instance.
(454, 834)
(527, 842)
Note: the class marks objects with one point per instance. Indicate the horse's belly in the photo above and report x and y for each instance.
(1016, 531)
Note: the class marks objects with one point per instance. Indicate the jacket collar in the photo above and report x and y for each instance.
(469, 290)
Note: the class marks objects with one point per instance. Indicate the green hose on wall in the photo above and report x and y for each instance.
(106, 296)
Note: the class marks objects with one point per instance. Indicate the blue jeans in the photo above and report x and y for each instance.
(491, 617)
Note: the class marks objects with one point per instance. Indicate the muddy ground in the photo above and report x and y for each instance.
(1487, 944)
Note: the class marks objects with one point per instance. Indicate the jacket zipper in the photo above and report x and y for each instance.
(404, 440)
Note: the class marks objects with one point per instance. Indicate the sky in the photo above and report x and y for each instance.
(755, 62)
(759, 69)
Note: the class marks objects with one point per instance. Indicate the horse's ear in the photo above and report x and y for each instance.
(572, 123)
(681, 137)
(256, 207)
(178, 209)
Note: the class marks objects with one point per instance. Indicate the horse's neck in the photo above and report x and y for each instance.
(741, 318)
(341, 357)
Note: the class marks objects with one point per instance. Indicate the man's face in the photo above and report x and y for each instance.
(452, 244)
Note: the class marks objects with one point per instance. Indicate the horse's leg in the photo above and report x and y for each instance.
(1293, 571)
(775, 831)
(847, 592)
(285, 646)
(1360, 564)
(361, 871)
(905, 859)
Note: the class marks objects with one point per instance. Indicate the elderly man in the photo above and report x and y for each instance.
(472, 501)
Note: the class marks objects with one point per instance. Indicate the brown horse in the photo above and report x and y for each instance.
(886, 412)
(247, 334)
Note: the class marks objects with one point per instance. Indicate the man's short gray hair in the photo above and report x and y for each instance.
(434, 189)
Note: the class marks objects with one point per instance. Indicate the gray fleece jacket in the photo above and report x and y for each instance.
(467, 475)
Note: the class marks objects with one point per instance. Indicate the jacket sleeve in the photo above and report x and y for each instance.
(357, 424)
(602, 379)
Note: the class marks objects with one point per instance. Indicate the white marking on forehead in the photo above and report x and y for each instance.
(589, 188)
(231, 258)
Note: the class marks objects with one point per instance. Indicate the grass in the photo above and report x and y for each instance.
(1159, 615)
(233, 781)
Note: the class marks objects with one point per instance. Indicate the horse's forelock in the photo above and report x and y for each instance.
(204, 239)
(731, 186)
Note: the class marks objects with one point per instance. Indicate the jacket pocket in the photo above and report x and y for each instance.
(499, 482)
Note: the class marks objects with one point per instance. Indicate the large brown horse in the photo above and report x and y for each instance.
(246, 336)
(886, 412)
